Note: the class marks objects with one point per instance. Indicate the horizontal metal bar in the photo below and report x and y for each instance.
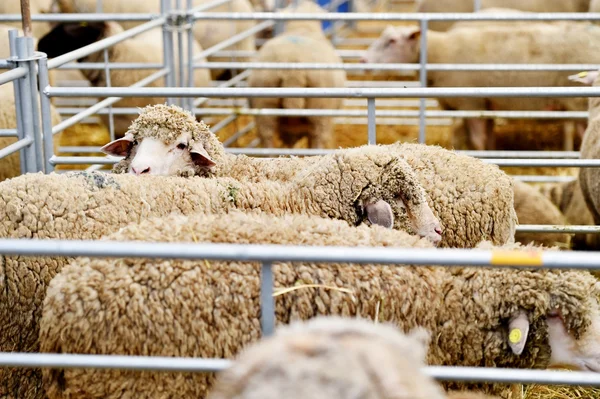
(205, 365)
(13, 74)
(81, 17)
(56, 160)
(14, 147)
(8, 133)
(5, 64)
(365, 16)
(563, 163)
(103, 104)
(112, 65)
(398, 67)
(291, 253)
(104, 43)
(544, 179)
(557, 229)
(324, 92)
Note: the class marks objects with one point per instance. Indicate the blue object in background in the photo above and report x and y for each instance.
(344, 7)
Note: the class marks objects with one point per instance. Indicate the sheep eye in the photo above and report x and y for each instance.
(182, 146)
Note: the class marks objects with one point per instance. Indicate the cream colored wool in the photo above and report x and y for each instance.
(568, 197)
(532, 207)
(85, 205)
(331, 358)
(143, 48)
(301, 42)
(525, 5)
(211, 308)
(472, 200)
(207, 33)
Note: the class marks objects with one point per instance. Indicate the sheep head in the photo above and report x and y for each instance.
(395, 45)
(70, 36)
(166, 140)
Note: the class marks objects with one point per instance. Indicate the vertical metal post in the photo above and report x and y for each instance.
(371, 123)
(24, 101)
(190, 50)
(476, 5)
(181, 69)
(165, 7)
(279, 25)
(46, 116)
(12, 39)
(111, 116)
(33, 94)
(98, 6)
(267, 302)
(423, 79)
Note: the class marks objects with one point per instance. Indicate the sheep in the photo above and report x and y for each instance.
(146, 48)
(532, 207)
(568, 197)
(207, 32)
(84, 205)
(472, 199)
(10, 166)
(536, 43)
(526, 5)
(302, 42)
(595, 6)
(211, 309)
(331, 358)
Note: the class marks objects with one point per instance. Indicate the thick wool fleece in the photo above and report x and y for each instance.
(212, 309)
(472, 200)
(525, 5)
(532, 207)
(84, 205)
(331, 358)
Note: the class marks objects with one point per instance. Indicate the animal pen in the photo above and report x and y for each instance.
(224, 105)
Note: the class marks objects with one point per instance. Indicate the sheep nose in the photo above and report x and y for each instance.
(137, 172)
(363, 60)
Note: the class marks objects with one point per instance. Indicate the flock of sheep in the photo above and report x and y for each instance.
(343, 330)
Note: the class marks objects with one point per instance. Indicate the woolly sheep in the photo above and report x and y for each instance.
(89, 205)
(535, 43)
(211, 309)
(331, 358)
(532, 207)
(473, 200)
(10, 166)
(595, 6)
(144, 48)
(525, 5)
(302, 42)
(207, 33)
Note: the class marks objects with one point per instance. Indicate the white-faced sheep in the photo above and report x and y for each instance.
(531, 43)
(473, 200)
(89, 205)
(207, 32)
(144, 48)
(302, 42)
(10, 166)
(451, 6)
(331, 358)
(211, 309)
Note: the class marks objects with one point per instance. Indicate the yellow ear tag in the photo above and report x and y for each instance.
(582, 74)
(83, 23)
(515, 335)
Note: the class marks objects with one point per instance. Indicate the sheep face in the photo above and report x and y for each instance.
(395, 45)
(66, 37)
(582, 353)
(151, 156)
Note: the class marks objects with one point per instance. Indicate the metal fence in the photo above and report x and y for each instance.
(35, 132)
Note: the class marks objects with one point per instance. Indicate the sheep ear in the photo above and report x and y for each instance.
(414, 35)
(200, 156)
(518, 328)
(119, 147)
(586, 77)
(380, 213)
